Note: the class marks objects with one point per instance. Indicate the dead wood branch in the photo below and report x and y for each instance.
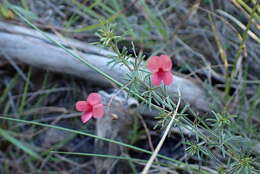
(29, 46)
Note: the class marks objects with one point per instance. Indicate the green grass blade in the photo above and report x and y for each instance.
(19, 144)
(194, 167)
(25, 91)
(101, 155)
(8, 88)
(88, 9)
(110, 156)
(95, 26)
(154, 21)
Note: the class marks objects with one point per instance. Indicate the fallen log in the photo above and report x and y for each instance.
(28, 46)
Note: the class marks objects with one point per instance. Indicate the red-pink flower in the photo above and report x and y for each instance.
(160, 66)
(91, 107)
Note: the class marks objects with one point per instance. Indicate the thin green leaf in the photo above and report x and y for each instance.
(5, 134)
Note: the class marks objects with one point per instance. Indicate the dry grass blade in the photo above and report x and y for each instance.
(242, 26)
(158, 147)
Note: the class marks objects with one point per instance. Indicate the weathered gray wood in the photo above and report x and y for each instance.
(28, 46)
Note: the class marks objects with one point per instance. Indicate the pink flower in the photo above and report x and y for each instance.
(91, 107)
(160, 66)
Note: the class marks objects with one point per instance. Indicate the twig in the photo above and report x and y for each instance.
(158, 147)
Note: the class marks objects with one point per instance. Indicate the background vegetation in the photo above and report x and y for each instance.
(213, 42)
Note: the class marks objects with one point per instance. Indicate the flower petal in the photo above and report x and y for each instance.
(88, 107)
(167, 78)
(156, 80)
(165, 62)
(98, 111)
(81, 106)
(86, 116)
(94, 98)
(153, 64)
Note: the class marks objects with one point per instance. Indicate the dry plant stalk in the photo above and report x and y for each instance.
(167, 130)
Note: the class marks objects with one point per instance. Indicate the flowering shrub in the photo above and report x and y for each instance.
(160, 66)
(91, 107)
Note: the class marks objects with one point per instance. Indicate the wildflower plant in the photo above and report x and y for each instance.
(217, 138)
(142, 79)
(221, 139)
(225, 142)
